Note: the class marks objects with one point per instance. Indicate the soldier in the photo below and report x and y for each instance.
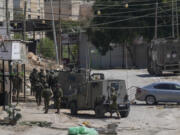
(58, 94)
(17, 85)
(114, 106)
(48, 77)
(38, 89)
(51, 75)
(54, 81)
(47, 96)
(42, 77)
(33, 79)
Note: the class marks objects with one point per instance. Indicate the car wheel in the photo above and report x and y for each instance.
(73, 108)
(150, 100)
(99, 111)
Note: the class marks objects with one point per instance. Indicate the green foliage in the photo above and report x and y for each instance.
(19, 36)
(46, 48)
(113, 23)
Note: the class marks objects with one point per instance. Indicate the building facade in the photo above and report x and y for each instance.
(66, 9)
(34, 9)
(3, 32)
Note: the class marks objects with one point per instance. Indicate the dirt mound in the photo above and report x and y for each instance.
(37, 62)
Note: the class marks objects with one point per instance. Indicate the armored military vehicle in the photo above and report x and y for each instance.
(93, 94)
(163, 55)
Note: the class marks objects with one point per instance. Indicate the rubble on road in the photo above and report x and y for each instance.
(36, 123)
(37, 62)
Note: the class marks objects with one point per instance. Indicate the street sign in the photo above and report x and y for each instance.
(13, 50)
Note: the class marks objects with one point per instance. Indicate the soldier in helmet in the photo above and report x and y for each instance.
(38, 87)
(17, 85)
(46, 94)
(33, 79)
(114, 105)
(58, 94)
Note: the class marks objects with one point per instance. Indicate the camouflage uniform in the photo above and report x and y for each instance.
(114, 105)
(33, 79)
(54, 81)
(58, 94)
(48, 77)
(51, 75)
(47, 96)
(42, 77)
(38, 89)
(17, 86)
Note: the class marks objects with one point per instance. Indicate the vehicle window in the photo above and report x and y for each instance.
(163, 86)
(115, 85)
(176, 87)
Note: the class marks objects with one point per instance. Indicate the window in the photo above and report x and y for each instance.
(115, 85)
(29, 16)
(38, 17)
(163, 86)
(175, 87)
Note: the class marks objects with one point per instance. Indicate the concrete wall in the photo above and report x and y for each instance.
(119, 57)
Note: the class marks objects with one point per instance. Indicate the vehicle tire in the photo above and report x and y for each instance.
(151, 71)
(124, 114)
(73, 108)
(150, 100)
(99, 111)
(157, 70)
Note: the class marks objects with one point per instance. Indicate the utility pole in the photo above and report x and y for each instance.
(156, 20)
(54, 33)
(60, 49)
(173, 35)
(24, 21)
(7, 19)
(177, 21)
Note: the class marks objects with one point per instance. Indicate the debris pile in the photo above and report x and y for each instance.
(37, 62)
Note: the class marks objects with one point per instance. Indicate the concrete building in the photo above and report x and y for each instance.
(3, 16)
(70, 9)
(119, 57)
(34, 10)
(66, 9)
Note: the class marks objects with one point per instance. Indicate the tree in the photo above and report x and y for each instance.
(46, 48)
(120, 22)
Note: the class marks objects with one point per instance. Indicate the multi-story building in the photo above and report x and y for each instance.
(34, 9)
(65, 9)
(69, 9)
(3, 16)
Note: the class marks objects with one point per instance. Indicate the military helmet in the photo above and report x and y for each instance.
(34, 69)
(47, 70)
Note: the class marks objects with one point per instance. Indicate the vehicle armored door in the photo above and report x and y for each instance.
(120, 90)
(81, 96)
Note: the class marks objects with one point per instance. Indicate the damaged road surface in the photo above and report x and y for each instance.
(143, 120)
